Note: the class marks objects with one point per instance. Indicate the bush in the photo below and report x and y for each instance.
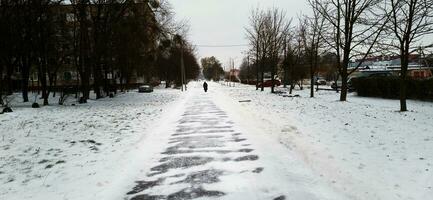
(7, 110)
(389, 87)
(35, 105)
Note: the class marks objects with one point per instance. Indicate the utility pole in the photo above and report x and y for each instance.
(285, 64)
(182, 64)
(230, 72)
(233, 71)
(248, 69)
(184, 75)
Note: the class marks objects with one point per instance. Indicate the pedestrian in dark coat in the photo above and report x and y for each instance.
(205, 86)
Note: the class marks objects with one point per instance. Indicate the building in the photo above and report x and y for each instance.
(68, 16)
(393, 64)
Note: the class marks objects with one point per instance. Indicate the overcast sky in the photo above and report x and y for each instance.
(223, 22)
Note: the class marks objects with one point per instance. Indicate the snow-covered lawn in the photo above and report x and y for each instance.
(364, 147)
(74, 152)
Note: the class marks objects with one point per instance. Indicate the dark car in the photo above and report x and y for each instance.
(379, 74)
(145, 89)
(338, 84)
(268, 83)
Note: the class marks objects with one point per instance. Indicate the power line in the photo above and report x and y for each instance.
(223, 46)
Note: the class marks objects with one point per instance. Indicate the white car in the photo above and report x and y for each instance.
(321, 81)
(145, 89)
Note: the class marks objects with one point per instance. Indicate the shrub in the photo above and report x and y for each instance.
(389, 87)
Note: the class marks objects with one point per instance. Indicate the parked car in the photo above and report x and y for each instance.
(145, 89)
(320, 81)
(338, 84)
(379, 74)
(268, 83)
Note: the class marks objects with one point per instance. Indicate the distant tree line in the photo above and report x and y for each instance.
(101, 44)
(212, 68)
(337, 32)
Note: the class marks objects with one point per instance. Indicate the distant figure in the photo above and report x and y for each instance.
(205, 86)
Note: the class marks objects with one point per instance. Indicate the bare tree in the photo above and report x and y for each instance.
(312, 36)
(120, 37)
(354, 28)
(254, 35)
(277, 28)
(410, 21)
(267, 34)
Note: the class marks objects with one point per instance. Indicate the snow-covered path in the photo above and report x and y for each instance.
(212, 149)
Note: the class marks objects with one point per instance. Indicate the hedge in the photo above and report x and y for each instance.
(389, 87)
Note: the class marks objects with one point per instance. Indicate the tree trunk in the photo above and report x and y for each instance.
(43, 78)
(84, 49)
(85, 88)
(105, 89)
(97, 80)
(403, 105)
(311, 80)
(54, 84)
(25, 78)
(343, 94)
(257, 73)
(8, 80)
(273, 79)
(262, 81)
(42, 72)
(403, 79)
(1, 84)
(344, 74)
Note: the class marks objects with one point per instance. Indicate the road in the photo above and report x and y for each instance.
(216, 150)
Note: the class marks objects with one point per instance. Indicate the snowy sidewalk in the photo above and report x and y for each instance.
(213, 150)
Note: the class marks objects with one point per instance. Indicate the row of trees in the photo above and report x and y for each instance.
(267, 34)
(337, 32)
(281, 49)
(103, 43)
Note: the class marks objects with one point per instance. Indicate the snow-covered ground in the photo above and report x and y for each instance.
(267, 147)
(75, 152)
(364, 147)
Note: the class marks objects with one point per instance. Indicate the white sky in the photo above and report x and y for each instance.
(223, 22)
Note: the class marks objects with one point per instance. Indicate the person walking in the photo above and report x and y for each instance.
(205, 86)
